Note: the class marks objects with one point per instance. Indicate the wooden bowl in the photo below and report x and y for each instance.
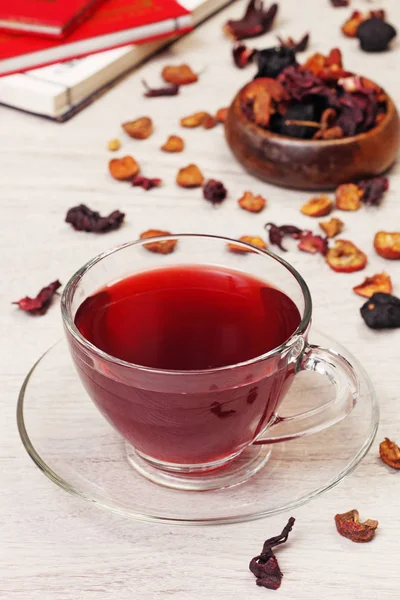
(312, 164)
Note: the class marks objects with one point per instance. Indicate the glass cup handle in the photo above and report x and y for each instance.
(341, 374)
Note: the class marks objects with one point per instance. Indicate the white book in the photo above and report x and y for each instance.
(62, 89)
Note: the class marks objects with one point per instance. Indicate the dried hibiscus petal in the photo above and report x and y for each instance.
(381, 311)
(252, 203)
(349, 526)
(254, 22)
(190, 177)
(221, 114)
(242, 56)
(390, 453)
(373, 190)
(317, 207)
(313, 243)
(375, 35)
(380, 282)
(214, 191)
(345, 257)
(387, 244)
(179, 75)
(40, 304)
(145, 182)
(159, 247)
(174, 143)
(331, 227)
(167, 90)
(276, 233)
(348, 196)
(265, 566)
(340, 3)
(299, 46)
(247, 239)
(194, 120)
(140, 129)
(123, 168)
(82, 218)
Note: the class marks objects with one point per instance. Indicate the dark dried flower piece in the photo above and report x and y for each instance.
(340, 3)
(145, 182)
(387, 244)
(159, 247)
(390, 453)
(313, 244)
(248, 239)
(179, 75)
(82, 218)
(299, 46)
(380, 282)
(265, 566)
(214, 191)
(255, 21)
(349, 526)
(276, 233)
(272, 61)
(381, 311)
(242, 56)
(40, 304)
(375, 35)
(167, 90)
(373, 190)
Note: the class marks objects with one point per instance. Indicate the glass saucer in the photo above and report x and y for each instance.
(77, 449)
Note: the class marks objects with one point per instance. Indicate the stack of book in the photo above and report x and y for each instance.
(113, 36)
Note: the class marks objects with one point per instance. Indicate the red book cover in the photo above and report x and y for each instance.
(45, 17)
(114, 23)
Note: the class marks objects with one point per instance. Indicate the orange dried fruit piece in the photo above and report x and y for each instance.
(331, 227)
(349, 27)
(160, 247)
(190, 177)
(174, 143)
(387, 244)
(262, 96)
(345, 257)
(252, 203)
(179, 75)
(221, 114)
(140, 129)
(349, 526)
(248, 239)
(209, 121)
(348, 196)
(319, 206)
(390, 453)
(380, 282)
(123, 168)
(194, 120)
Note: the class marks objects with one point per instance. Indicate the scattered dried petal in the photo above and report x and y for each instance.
(254, 22)
(380, 282)
(190, 177)
(242, 56)
(276, 234)
(214, 191)
(331, 227)
(159, 247)
(140, 129)
(113, 144)
(252, 203)
(123, 168)
(375, 35)
(209, 121)
(345, 257)
(387, 244)
(299, 46)
(174, 143)
(40, 304)
(349, 526)
(381, 311)
(82, 218)
(145, 182)
(179, 75)
(247, 239)
(348, 197)
(194, 120)
(221, 114)
(167, 90)
(373, 190)
(340, 3)
(317, 207)
(390, 453)
(313, 243)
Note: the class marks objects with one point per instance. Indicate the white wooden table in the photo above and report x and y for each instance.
(53, 546)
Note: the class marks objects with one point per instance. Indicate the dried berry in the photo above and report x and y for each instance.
(348, 197)
(375, 35)
(380, 282)
(252, 203)
(145, 182)
(209, 121)
(299, 46)
(82, 218)
(214, 191)
(190, 177)
(194, 120)
(123, 168)
(254, 22)
(345, 257)
(349, 526)
(373, 190)
(272, 61)
(331, 227)
(247, 239)
(40, 304)
(390, 453)
(140, 129)
(381, 311)
(113, 144)
(259, 99)
(221, 114)
(340, 3)
(179, 75)
(317, 207)
(265, 566)
(174, 143)
(387, 244)
(242, 56)
(167, 90)
(159, 247)
(313, 243)
(277, 233)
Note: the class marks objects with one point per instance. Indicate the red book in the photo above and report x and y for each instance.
(115, 23)
(52, 18)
